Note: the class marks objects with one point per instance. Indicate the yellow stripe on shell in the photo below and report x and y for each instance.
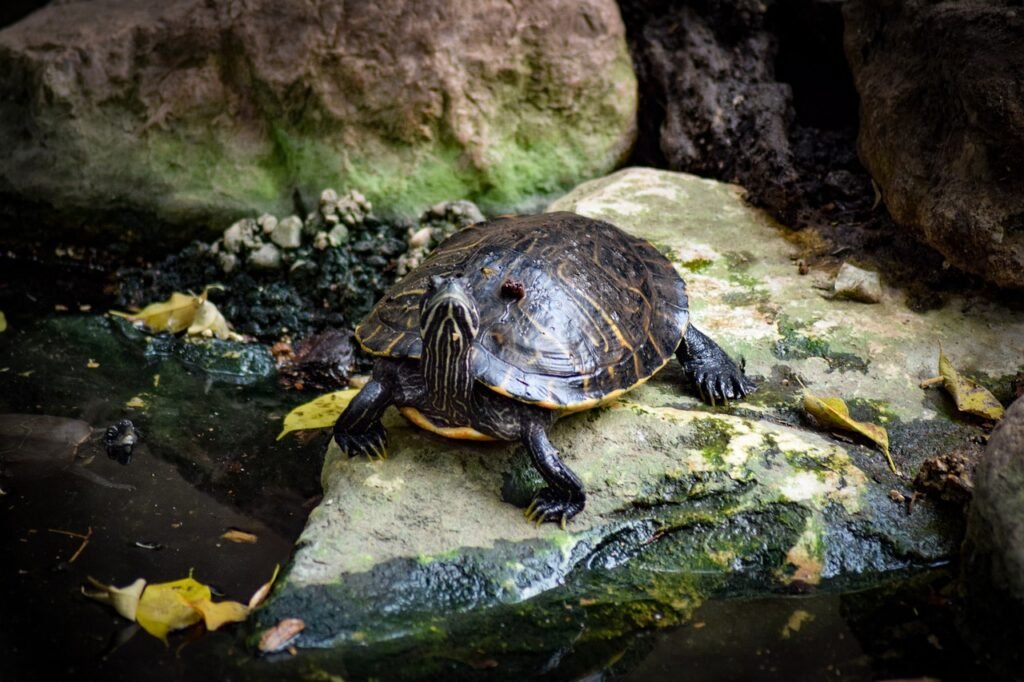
(584, 404)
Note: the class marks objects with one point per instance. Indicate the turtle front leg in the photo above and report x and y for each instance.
(563, 498)
(716, 376)
(358, 430)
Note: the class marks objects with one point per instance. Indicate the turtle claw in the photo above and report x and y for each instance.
(372, 443)
(721, 383)
(549, 505)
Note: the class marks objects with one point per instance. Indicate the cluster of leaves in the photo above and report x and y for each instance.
(970, 397)
(164, 607)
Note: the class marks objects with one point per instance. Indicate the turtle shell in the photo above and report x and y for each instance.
(573, 311)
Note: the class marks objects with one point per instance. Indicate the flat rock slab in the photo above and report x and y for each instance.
(685, 500)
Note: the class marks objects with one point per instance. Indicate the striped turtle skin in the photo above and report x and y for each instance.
(573, 311)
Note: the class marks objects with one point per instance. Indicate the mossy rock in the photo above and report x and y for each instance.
(428, 550)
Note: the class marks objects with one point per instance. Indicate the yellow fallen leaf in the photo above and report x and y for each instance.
(3, 322)
(173, 315)
(138, 402)
(193, 314)
(832, 413)
(168, 606)
(969, 396)
(260, 594)
(216, 614)
(209, 321)
(125, 600)
(239, 536)
(318, 413)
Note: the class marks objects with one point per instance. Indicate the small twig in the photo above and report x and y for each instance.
(934, 381)
(84, 536)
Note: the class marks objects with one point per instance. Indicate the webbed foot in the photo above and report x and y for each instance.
(713, 372)
(550, 505)
(373, 443)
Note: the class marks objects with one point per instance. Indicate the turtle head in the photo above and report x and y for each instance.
(449, 323)
(448, 307)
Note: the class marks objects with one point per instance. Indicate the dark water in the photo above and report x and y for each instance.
(209, 462)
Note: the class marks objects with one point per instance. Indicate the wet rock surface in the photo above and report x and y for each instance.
(127, 118)
(993, 561)
(684, 500)
(942, 130)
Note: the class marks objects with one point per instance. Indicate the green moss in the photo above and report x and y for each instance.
(711, 437)
(745, 298)
(795, 345)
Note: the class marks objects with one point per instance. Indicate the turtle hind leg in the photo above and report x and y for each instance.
(358, 430)
(714, 373)
(563, 498)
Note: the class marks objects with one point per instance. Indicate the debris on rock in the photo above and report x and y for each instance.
(855, 284)
(949, 476)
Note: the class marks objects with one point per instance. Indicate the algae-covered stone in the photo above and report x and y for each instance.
(111, 127)
(684, 500)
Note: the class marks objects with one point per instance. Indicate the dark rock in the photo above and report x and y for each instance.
(993, 557)
(723, 114)
(942, 123)
(125, 115)
(320, 362)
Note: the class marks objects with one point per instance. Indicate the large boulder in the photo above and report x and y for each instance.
(942, 123)
(130, 115)
(425, 557)
(993, 561)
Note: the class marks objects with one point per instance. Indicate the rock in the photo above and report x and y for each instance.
(942, 126)
(709, 67)
(288, 233)
(856, 284)
(338, 235)
(993, 558)
(428, 549)
(244, 233)
(267, 257)
(414, 102)
(268, 223)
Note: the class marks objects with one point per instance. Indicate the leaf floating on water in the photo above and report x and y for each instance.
(165, 607)
(260, 594)
(184, 312)
(318, 413)
(125, 600)
(832, 413)
(168, 606)
(969, 396)
(239, 536)
(216, 614)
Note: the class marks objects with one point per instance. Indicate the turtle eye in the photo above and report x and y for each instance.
(436, 282)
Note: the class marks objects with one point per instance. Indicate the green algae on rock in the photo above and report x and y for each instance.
(111, 128)
(685, 501)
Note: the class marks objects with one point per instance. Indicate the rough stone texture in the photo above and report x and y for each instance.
(429, 548)
(942, 123)
(708, 68)
(993, 561)
(128, 114)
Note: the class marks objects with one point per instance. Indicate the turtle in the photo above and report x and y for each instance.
(512, 323)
